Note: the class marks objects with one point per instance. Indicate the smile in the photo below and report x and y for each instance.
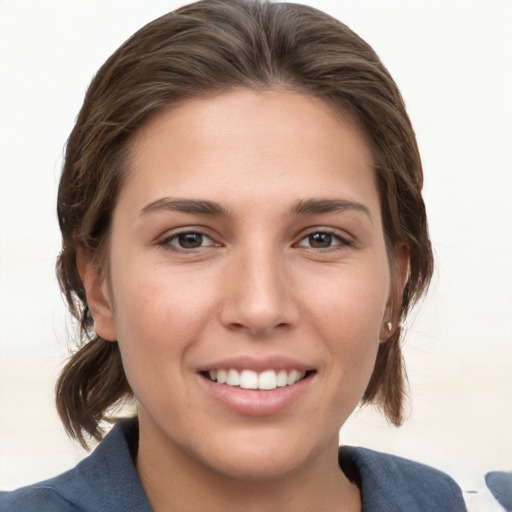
(257, 391)
(249, 379)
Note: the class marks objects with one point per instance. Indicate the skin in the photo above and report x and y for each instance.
(257, 286)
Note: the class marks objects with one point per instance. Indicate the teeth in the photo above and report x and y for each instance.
(282, 379)
(249, 379)
(233, 378)
(221, 376)
(292, 377)
(267, 380)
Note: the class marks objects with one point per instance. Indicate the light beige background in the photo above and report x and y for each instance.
(453, 63)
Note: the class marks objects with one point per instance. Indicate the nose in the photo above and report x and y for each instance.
(258, 294)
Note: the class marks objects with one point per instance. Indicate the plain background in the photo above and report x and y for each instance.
(453, 63)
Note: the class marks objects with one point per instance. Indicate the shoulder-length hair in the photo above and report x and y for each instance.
(209, 47)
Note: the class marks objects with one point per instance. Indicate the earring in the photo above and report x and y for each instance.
(389, 326)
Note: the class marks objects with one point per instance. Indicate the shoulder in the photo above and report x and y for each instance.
(105, 480)
(500, 484)
(71, 491)
(35, 498)
(391, 483)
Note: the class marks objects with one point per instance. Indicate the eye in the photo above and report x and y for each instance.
(323, 240)
(188, 240)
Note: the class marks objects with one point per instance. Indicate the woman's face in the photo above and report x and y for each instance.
(247, 245)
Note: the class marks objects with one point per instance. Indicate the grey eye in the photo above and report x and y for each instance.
(320, 240)
(189, 240)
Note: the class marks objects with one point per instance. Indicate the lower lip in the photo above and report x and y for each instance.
(252, 402)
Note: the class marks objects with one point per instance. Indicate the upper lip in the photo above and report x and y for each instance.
(257, 364)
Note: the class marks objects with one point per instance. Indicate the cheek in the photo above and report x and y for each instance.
(351, 304)
(157, 321)
(154, 300)
(349, 312)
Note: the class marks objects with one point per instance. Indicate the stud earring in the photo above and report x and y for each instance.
(389, 326)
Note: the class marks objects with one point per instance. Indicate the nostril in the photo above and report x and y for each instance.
(236, 326)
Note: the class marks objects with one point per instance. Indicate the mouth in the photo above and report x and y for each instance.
(267, 380)
(253, 388)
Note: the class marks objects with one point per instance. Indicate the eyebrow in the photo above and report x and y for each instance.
(315, 206)
(201, 207)
(300, 207)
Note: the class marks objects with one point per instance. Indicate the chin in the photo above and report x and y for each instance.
(257, 467)
(260, 456)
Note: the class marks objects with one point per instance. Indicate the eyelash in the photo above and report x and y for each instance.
(341, 241)
(167, 241)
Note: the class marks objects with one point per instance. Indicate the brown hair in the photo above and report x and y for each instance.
(207, 47)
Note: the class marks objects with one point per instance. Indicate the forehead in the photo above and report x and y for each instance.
(242, 145)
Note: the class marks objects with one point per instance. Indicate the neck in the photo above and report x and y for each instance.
(174, 480)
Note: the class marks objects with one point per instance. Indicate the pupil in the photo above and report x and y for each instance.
(320, 240)
(190, 240)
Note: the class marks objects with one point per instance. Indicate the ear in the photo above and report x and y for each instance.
(98, 296)
(399, 277)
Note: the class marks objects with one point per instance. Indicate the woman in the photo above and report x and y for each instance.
(243, 234)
